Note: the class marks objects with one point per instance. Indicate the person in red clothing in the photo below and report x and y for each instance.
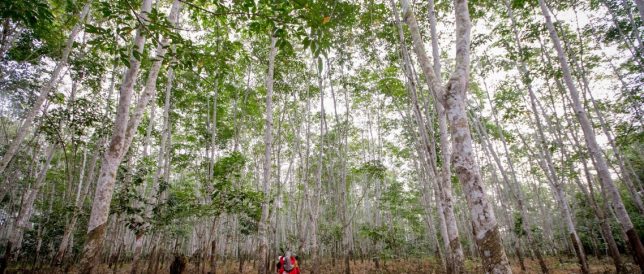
(288, 264)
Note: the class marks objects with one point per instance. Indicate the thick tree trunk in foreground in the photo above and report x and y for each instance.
(113, 155)
(25, 127)
(593, 147)
(456, 250)
(268, 139)
(484, 225)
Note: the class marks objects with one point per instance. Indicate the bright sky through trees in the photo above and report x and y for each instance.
(358, 136)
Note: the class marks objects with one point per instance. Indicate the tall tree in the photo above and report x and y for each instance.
(25, 127)
(453, 97)
(266, 175)
(115, 151)
(591, 143)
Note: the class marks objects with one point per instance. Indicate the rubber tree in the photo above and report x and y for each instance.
(115, 151)
(453, 98)
(268, 139)
(599, 161)
(43, 92)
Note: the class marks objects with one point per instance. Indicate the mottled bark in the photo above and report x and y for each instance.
(268, 139)
(114, 154)
(484, 225)
(43, 92)
(593, 147)
(434, 83)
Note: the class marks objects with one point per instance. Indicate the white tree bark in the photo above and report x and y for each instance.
(433, 80)
(150, 89)
(268, 139)
(165, 135)
(25, 127)
(484, 223)
(591, 143)
(114, 154)
(453, 97)
(71, 225)
(27, 207)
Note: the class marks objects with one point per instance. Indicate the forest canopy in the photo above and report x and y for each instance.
(350, 136)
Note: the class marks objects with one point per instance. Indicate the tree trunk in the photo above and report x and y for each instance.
(517, 193)
(113, 155)
(263, 224)
(605, 229)
(593, 147)
(71, 225)
(26, 209)
(640, 8)
(25, 127)
(138, 247)
(213, 247)
(314, 205)
(484, 223)
(525, 77)
(455, 251)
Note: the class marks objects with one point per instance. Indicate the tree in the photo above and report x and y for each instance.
(453, 97)
(591, 143)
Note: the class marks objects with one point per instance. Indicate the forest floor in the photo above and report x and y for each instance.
(409, 266)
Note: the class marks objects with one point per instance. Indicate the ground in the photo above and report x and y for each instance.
(409, 266)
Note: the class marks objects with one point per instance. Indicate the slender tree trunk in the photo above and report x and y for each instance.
(26, 209)
(263, 224)
(9, 34)
(133, 123)
(341, 148)
(113, 155)
(71, 225)
(211, 156)
(517, 193)
(314, 203)
(545, 158)
(456, 256)
(605, 229)
(150, 89)
(593, 147)
(525, 76)
(25, 127)
(640, 8)
(630, 177)
(65, 243)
